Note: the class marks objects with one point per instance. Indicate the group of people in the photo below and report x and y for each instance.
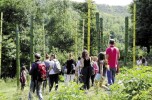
(142, 61)
(86, 69)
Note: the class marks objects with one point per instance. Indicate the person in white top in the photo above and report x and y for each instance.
(53, 77)
(78, 69)
(139, 61)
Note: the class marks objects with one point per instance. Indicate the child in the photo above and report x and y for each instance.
(23, 77)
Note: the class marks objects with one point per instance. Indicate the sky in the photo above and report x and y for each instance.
(110, 2)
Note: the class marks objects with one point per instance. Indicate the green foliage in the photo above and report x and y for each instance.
(143, 22)
(70, 92)
(113, 24)
(133, 84)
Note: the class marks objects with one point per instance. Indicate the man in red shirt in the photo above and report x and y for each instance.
(112, 56)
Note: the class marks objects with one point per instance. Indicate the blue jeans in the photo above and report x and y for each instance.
(35, 85)
(111, 75)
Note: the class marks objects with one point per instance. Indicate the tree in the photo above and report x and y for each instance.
(144, 26)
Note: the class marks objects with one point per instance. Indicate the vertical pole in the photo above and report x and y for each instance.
(83, 35)
(97, 29)
(101, 34)
(18, 56)
(1, 29)
(89, 21)
(43, 41)
(76, 42)
(126, 41)
(134, 35)
(31, 41)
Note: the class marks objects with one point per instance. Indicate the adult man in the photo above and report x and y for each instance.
(35, 83)
(112, 56)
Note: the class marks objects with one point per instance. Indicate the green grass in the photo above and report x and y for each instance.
(9, 91)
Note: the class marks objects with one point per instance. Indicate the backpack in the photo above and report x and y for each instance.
(41, 72)
(22, 78)
(72, 69)
(56, 67)
(92, 70)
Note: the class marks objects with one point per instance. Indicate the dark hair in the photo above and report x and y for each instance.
(79, 58)
(23, 68)
(53, 55)
(84, 53)
(37, 56)
(112, 41)
(140, 57)
(143, 60)
(47, 56)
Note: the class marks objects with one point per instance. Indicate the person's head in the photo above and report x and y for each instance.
(95, 58)
(70, 56)
(79, 58)
(53, 56)
(92, 58)
(47, 56)
(112, 42)
(140, 57)
(37, 56)
(23, 68)
(85, 54)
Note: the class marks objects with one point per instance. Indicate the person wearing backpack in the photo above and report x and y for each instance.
(47, 64)
(23, 77)
(54, 71)
(70, 66)
(38, 75)
(112, 56)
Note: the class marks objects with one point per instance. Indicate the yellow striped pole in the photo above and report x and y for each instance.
(1, 25)
(134, 34)
(89, 21)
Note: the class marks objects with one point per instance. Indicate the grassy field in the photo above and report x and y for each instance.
(9, 91)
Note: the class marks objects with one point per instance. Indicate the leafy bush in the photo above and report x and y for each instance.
(70, 92)
(133, 85)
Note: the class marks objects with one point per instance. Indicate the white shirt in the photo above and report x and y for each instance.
(78, 66)
(51, 71)
(139, 62)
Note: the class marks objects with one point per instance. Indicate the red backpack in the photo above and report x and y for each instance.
(41, 69)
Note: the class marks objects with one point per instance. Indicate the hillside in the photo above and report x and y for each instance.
(114, 21)
(114, 10)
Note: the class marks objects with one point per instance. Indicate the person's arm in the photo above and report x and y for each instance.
(118, 54)
(106, 59)
(82, 63)
(32, 69)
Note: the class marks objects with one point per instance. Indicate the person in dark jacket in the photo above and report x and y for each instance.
(70, 66)
(86, 70)
(35, 83)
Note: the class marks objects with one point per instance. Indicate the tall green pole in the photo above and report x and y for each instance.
(1, 30)
(126, 41)
(31, 41)
(83, 35)
(43, 41)
(89, 21)
(98, 30)
(76, 42)
(101, 34)
(18, 56)
(134, 34)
